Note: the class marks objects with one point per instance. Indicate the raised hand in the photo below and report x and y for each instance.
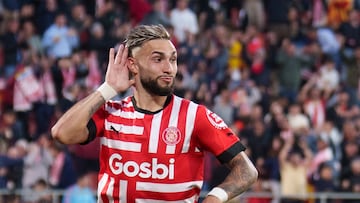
(117, 74)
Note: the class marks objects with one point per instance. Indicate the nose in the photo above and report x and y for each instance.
(168, 67)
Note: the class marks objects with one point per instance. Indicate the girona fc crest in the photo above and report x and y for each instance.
(215, 120)
(171, 136)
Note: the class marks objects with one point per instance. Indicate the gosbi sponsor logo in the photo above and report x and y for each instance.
(151, 169)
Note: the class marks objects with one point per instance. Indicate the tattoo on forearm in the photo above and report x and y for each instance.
(95, 107)
(239, 179)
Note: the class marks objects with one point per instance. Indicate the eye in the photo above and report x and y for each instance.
(173, 59)
(157, 59)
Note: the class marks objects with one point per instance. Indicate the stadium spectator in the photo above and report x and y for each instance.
(273, 168)
(257, 136)
(59, 39)
(349, 146)
(100, 43)
(37, 162)
(81, 22)
(342, 110)
(107, 14)
(329, 77)
(351, 80)
(323, 155)
(45, 14)
(318, 13)
(32, 38)
(293, 169)
(156, 15)
(11, 47)
(298, 121)
(290, 63)
(79, 192)
(351, 178)
(255, 13)
(184, 20)
(351, 31)
(330, 132)
(38, 192)
(62, 171)
(277, 12)
(11, 130)
(323, 181)
(314, 102)
(44, 106)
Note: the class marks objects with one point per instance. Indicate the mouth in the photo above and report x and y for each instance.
(167, 79)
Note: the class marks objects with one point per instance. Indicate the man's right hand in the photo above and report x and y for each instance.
(117, 74)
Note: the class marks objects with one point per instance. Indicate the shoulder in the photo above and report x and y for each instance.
(118, 104)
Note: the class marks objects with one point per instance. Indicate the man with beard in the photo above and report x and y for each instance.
(153, 142)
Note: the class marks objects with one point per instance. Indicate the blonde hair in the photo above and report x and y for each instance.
(144, 33)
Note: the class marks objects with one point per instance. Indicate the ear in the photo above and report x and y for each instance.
(132, 66)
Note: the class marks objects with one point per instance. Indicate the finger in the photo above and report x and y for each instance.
(119, 54)
(111, 56)
(124, 55)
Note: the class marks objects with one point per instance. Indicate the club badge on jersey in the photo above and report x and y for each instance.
(171, 136)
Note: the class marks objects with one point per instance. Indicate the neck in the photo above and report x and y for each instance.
(149, 102)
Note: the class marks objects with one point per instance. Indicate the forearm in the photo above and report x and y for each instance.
(242, 175)
(71, 127)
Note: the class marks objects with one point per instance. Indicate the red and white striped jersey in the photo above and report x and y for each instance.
(158, 156)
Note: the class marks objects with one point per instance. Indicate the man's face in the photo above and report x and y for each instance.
(157, 66)
(60, 20)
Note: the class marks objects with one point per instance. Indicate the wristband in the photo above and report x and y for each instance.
(106, 91)
(219, 193)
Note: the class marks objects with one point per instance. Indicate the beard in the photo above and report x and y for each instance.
(153, 87)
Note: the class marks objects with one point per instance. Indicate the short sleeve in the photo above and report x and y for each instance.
(96, 124)
(215, 136)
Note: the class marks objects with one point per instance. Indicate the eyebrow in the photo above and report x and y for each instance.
(163, 54)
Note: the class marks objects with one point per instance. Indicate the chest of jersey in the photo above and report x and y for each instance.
(143, 154)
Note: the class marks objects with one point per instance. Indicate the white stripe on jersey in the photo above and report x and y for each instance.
(154, 133)
(189, 200)
(121, 145)
(110, 190)
(189, 127)
(124, 114)
(126, 129)
(168, 188)
(174, 118)
(101, 186)
(123, 190)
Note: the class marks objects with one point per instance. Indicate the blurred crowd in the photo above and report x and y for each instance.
(283, 74)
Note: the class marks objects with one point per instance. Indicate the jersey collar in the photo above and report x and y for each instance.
(167, 102)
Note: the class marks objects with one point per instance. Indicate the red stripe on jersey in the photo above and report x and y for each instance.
(131, 196)
(116, 191)
(148, 128)
(164, 124)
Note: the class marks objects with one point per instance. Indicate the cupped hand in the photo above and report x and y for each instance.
(117, 74)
